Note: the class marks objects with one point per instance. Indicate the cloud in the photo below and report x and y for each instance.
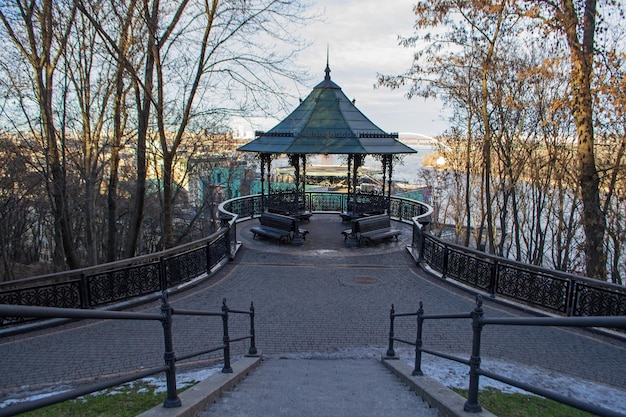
(363, 39)
(362, 36)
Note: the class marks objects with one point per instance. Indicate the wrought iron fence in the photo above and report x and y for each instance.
(550, 290)
(546, 289)
(116, 282)
(165, 317)
(478, 322)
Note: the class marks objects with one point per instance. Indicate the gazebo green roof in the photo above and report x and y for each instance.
(326, 122)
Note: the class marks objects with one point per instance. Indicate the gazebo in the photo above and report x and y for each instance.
(327, 122)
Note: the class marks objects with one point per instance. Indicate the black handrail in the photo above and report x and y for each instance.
(165, 317)
(478, 322)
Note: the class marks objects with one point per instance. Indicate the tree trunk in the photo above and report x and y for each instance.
(168, 201)
(582, 56)
(44, 70)
(143, 106)
(468, 180)
(57, 180)
(124, 44)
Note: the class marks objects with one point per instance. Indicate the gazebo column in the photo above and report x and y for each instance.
(354, 162)
(388, 199)
(348, 197)
(269, 174)
(358, 161)
(265, 159)
(352, 240)
(297, 239)
(383, 161)
(303, 181)
(262, 183)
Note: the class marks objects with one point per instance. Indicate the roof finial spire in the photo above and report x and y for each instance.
(327, 70)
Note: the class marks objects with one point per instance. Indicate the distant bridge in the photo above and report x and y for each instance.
(419, 140)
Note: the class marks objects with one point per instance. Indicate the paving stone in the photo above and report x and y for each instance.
(321, 297)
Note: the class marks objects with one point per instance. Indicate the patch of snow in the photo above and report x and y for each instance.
(323, 251)
(456, 375)
(30, 397)
(158, 383)
(449, 373)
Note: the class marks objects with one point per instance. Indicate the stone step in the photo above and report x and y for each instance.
(320, 388)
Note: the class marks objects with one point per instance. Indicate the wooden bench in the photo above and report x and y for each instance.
(277, 226)
(347, 216)
(375, 228)
(304, 215)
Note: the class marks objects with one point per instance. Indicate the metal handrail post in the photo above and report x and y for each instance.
(232, 242)
(390, 352)
(85, 299)
(252, 350)
(418, 342)
(422, 240)
(227, 369)
(472, 405)
(572, 297)
(172, 399)
(444, 268)
(423, 228)
(162, 274)
(493, 278)
(208, 258)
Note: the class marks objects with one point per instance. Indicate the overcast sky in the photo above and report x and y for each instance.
(362, 36)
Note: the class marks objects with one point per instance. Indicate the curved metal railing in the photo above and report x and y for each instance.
(107, 284)
(545, 289)
(401, 209)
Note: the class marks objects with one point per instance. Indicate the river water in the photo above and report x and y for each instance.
(404, 171)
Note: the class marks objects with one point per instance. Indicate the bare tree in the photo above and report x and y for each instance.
(577, 22)
(476, 37)
(90, 74)
(204, 61)
(235, 50)
(39, 30)
(611, 127)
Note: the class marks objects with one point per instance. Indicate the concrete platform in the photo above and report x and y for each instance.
(324, 238)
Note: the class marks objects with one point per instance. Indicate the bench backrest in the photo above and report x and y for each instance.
(277, 221)
(368, 224)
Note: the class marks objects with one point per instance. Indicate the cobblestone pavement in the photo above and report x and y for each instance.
(321, 297)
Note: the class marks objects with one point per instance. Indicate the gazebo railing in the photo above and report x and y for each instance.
(402, 209)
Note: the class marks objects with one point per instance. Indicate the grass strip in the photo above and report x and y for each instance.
(132, 399)
(521, 405)
(127, 400)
